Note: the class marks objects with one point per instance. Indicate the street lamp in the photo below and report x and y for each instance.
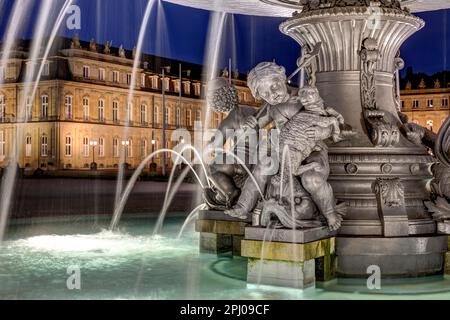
(126, 144)
(93, 144)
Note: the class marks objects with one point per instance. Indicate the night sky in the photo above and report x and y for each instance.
(180, 33)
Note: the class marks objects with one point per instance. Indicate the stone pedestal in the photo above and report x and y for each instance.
(220, 233)
(396, 257)
(282, 262)
(214, 243)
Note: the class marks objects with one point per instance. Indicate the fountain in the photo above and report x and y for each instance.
(378, 173)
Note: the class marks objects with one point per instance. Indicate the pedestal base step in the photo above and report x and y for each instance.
(295, 265)
(396, 257)
(289, 235)
(299, 275)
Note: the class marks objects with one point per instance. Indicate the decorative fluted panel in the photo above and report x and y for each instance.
(342, 38)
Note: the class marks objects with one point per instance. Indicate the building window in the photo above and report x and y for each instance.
(128, 78)
(430, 103)
(115, 111)
(28, 146)
(86, 72)
(430, 125)
(167, 115)
(198, 115)
(143, 80)
(68, 149)
(101, 110)
(155, 115)
(68, 106)
(101, 74)
(143, 114)
(46, 70)
(187, 87)
(444, 103)
(2, 108)
(155, 82)
(188, 118)
(129, 112)
(176, 86)
(2, 73)
(166, 84)
(2, 144)
(101, 147)
(116, 76)
(115, 148)
(143, 147)
(416, 104)
(197, 89)
(29, 108)
(129, 148)
(403, 104)
(178, 117)
(44, 106)
(85, 147)
(44, 146)
(86, 109)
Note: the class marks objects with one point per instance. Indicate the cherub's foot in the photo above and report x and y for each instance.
(334, 221)
(237, 212)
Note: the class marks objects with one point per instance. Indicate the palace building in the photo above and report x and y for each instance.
(80, 113)
(428, 107)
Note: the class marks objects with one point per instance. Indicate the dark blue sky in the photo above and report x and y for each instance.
(180, 33)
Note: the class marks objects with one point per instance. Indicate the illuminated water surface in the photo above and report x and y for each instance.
(130, 264)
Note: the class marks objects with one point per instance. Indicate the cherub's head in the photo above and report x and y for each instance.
(221, 95)
(310, 98)
(267, 81)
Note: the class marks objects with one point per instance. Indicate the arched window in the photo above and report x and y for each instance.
(68, 149)
(116, 153)
(44, 106)
(129, 112)
(86, 109)
(115, 111)
(143, 114)
(101, 110)
(143, 147)
(68, 107)
(155, 115)
(29, 108)
(188, 118)
(2, 108)
(101, 147)
(86, 147)
(44, 146)
(28, 146)
(178, 117)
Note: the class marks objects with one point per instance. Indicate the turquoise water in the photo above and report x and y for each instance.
(129, 264)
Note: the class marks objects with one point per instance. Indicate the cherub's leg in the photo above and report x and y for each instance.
(249, 194)
(222, 175)
(315, 182)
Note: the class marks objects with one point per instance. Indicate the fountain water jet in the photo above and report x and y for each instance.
(119, 209)
(136, 62)
(190, 217)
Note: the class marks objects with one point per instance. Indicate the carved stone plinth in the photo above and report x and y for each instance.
(288, 264)
(289, 235)
(443, 227)
(220, 233)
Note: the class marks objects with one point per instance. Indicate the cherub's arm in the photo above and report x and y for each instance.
(335, 114)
